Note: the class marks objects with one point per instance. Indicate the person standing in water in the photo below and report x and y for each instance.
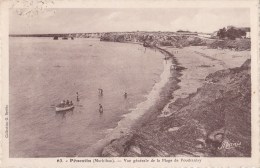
(125, 95)
(100, 108)
(77, 96)
(100, 92)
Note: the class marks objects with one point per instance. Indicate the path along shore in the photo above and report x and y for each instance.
(194, 107)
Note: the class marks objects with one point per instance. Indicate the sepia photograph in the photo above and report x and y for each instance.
(163, 82)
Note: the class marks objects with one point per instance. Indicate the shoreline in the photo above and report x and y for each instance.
(166, 93)
(185, 85)
(165, 97)
(132, 119)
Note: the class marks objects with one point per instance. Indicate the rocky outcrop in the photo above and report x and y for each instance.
(214, 121)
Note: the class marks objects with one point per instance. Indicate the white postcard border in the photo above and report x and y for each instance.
(254, 161)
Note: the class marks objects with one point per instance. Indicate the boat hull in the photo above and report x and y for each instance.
(58, 109)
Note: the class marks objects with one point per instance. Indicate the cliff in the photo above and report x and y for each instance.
(214, 121)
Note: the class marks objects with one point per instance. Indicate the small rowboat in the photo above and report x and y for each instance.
(65, 108)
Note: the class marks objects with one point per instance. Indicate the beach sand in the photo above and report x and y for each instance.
(199, 62)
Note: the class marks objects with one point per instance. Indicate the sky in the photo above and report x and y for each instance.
(87, 20)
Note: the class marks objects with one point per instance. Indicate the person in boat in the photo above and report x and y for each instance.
(67, 102)
(61, 104)
(100, 108)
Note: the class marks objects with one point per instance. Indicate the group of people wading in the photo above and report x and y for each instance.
(70, 103)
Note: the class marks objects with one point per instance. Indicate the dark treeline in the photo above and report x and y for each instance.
(231, 33)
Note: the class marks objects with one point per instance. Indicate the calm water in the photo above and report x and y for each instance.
(43, 72)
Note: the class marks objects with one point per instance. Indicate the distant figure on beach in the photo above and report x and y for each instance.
(125, 95)
(173, 67)
(100, 108)
(100, 92)
(77, 96)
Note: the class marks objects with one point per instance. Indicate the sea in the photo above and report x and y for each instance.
(43, 72)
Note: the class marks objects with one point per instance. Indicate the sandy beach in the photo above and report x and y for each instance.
(199, 62)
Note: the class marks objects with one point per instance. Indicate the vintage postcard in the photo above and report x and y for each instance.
(129, 83)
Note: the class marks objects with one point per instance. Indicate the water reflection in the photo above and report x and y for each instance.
(63, 114)
(100, 114)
